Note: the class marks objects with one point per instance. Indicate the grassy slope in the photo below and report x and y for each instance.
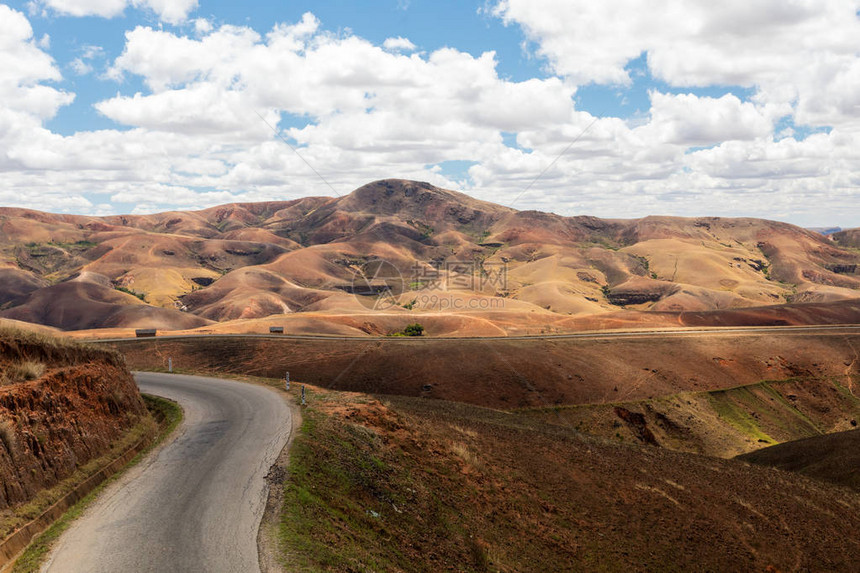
(722, 423)
(419, 485)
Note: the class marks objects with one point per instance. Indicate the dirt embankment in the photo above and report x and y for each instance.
(61, 405)
(511, 374)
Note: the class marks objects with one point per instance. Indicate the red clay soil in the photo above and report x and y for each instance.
(517, 373)
(52, 425)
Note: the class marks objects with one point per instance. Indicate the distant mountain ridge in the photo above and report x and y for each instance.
(248, 261)
(825, 230)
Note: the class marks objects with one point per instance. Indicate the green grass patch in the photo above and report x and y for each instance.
(141, 296)
(322, 524)
(725, 404)
(409, 331)
(169, 410)
(846, 393)
(811, 428)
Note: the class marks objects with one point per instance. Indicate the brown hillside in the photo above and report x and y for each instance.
(834, 458)
(251, 261)
(847, 238)
(420, 485)
(510, 374)
(79, 305)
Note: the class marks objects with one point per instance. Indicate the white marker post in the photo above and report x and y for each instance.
(287, 381)
(303, 395)
(170, 365)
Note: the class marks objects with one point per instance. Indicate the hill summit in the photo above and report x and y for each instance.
(485, 268)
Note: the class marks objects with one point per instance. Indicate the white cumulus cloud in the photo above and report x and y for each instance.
(689, 120)
(170, 11)
(786, 146)
(399, 44)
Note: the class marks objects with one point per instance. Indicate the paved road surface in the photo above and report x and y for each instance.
(196, 504)
(835, 329)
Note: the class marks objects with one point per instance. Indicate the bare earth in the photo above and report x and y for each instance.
(463, 266)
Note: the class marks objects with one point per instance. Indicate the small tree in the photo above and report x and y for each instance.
(413, 330)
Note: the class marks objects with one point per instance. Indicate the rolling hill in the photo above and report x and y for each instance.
(833, 457)
(466, 266)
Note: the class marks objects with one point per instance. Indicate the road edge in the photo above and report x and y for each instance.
(268, 548)
(69, 508)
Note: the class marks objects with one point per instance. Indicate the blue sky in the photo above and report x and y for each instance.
(429, 25)
(679, 109)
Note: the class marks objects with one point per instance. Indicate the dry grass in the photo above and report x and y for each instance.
(53, 343)
(27, 354)
(459, 429)
(35, 336)
(463, 452)
(24, 371)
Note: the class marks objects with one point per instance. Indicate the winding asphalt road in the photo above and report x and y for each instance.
(836, 329)
(196, 503)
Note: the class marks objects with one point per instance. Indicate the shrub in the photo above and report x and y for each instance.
(141, 296)
(413, 330)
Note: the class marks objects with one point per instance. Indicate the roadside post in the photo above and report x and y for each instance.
(303, 396)
(170, 365)
(287, 381)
